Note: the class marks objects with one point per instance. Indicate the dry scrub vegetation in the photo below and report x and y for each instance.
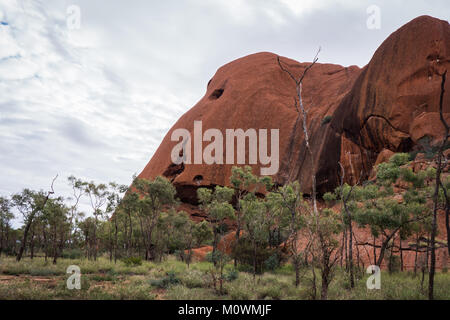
(172, 279)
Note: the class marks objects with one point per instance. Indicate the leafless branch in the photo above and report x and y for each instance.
(52, 191)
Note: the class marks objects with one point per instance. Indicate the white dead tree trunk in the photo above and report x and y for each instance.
(302, 112)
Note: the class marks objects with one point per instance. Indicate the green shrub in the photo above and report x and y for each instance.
(272, 262)
(231, 275)
(238, 293)
(164, 283)
(132, 261)
(326, 120)
(399, 159)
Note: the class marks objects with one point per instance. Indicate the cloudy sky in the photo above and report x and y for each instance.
(95, 99)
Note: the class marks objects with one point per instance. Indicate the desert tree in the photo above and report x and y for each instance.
(192, 235)
(385, 215)
(87, 227)
(77, 186)
(154, 195)
(419, 230)
(241, 179)
(445, 186)
(217, 205)
(287, 203)
(344, 193)
(171, 232)
(129, 208)
(244, 182)
(97, 194)
(323, 231)
(436, 190)
(256, 224)
(55, 220)
(114, 200)
(30, 203)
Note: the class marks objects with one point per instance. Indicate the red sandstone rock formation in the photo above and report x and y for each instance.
(394, 102)
(391, 105)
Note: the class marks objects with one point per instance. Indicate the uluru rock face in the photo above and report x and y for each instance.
(390, 104)
(394, 103)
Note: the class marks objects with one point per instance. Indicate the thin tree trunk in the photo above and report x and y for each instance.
(254, 259)
(415, 257)
(436, 193)
(214, 245)
(314, 285)
(297, 271)
(32, 244)
(115, 240)
(401, 255)
(24, 239)
(1, 240)
(374, 251)
(130, 236)
(350, 249)
(324, 292)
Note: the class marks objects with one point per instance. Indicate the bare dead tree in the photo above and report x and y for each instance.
(436, 191)
(303, 112)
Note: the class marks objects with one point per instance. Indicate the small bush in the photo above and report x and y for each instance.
(399, 159)
(326, 120)
(272, 262)
(238, 293)
(193, 279)
(231, 275)
(164, 283)
(271, 292)
(132, 261)
(180, 292)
